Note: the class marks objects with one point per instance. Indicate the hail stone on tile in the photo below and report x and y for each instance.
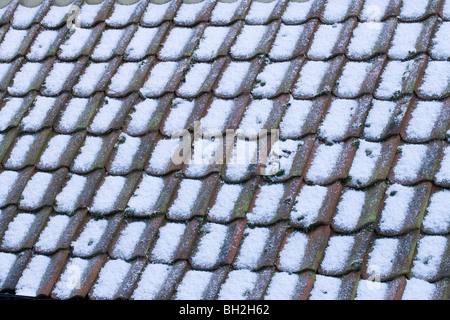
(417, 289)
(162, 154)
(337, 253)
(224, 11)
(88, 13)
(194, 79)
(260, 12)
(107, 195)
(244, 154)
(125, 153)
(90, 237)
(7, 181)
(147, 193)
(381, 258)
(441, 47)
(88, 153)
(238, 285)
(72, 47)
(436, 78)
(110, 278)
(108, 42)
(295, 117)
(18, 230)
(152, 281)
(210, 245)
(410, 162)
(106, 115)
(371, 290)
(349, 209)
(282, 286)
(443, 175)
(20, 151)
(129, 238)
(55, 15)
(413, 8)
(423, 119)
(252, 247)
(160, 75)
(23, 16)
(270, 79)
(54, 150)
(335, 124)
(248, 41)
(308, 204)
(35, 189)
(38, 113)
(142, 115)
(70, 278)
(211, 42)
(336, 10)
(364, 39)
(287, 38)
(325, 288)
(175, 43)
(9, 111)
(255, 117)
(392, 78)
(187, 194)
(42, 44)
(353, 76)
(378, 118)
(396, 207)
(374, 10)
(67, 199)
(123, 77)
(325, 39)
(297, 12)
(176, 121)
(232, 77)
(225, 202)
(266, 203)
(365, 161)
(430, 254)
(311, 77)
(90, 78)
(24, 78)
(169, 238)
(122, 14)
(7, 261)
(293, 252)
(325, 162)
(142, 38)
(193, 285)
(216, 116)
(405, 40)
(30, 281)
(188, 12)
(11, 43)
(437, 219)
(52, 232)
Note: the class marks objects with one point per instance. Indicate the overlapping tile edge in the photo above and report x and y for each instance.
(91, 205)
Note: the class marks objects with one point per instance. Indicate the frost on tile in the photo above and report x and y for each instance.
(293, 252)
(106, 197)
(106, 115)
(160, 76)
(7, 261)
(382, 257)
(224, 11)
(308, 203)
(20, 151)
(311, 78)
(437, 218)
(24, 78)
(393, 79)
(371, 290)
(325, 39)
(49, 237)
(8, 180)
(162, 154)
(269, 81)
(405, 40)
(88, 154)
(57, 77)
(378, 118)
(9, 112)
(125, 153)
(73, 46)
(430, 255)
(337, 253)
(238, 285)
(209, 248)
(178, 117)
(423, 119)
(286, 41)
(110, 279)
(225, 202)
(325, 288)
(217, 115)
(232, 78)
(142, 39)
(365, 162)
(168, 241)
(396, 207)
(349, 209)
(443, 175)
(54, 150)
(108, 43)
(142, 116)
(90, 237)
(412, 158)
(35, 190)
(70, 278)
(325, 162)
(195, 79)
(188, 12)
(38, 113)
(248, 41)
(336, 10)
(440, 42)
(252, 247)
(151, 281)
(145, 197)
(193, 285)
(175, 43)
(282, 286)
(67, 199)
(211, 42)
(266, 204)
(436, 79)
(353, 76)
(90, 78)
(18, 230)
(413, 9)
(365, 38)
(123, 78)
(260, 12)
(30, 281)
(335, 125)
(129, 239)
(255, 117)
(295, 117)
(417, 289)
(11, 43)
(188, 192)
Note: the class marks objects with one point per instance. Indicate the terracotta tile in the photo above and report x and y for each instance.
(431, 8)
(276, 12)
(9, 75)
(297, 12)
(24, 44)
(134, 83)
(9, 12)
(14, 193)
(369, 13)
(170, 283)
(97, 15)
(373, 289)
(16, 270)
(441, 178)
(217, 278)
(166, 11)
(334, 288)
(433, 222)
(22, 10)
(303, 286)
(7, 140)
(187, 15)
(189, 44)
(23, 105)
(7, 214)
(129, 55)
(439, 90)
(329, 14)
(133, 14)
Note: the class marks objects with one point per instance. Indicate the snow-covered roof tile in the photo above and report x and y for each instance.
(431, 260)
(442, 176)
(435, 83)
(437, 216)
(338, 11)
(297, 12)
(414, 10)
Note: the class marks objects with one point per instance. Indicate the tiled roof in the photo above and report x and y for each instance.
(92, 205)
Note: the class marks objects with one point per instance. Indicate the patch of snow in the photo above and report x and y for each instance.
(417, 289)
(70, 278)
(54, 150)
(7, 261)
(152, 281)
(179, 115)
(325, 162)
(146, 195)
(411, 161)
(194, 79)
(24, 16)
(226, 201)
(325, 39)
(193, 285)
(413, 9)
(429, 257)
(106, 115)
(67, 199)
(188, 12)
(308, 204)
(155, 12)
(162, 154)
(337, 253)
(224, 11)
(175, 43)
(255, 117)
(311, 77)
(294, 118)
(405, 40)
(365, 38)
(393, 78)
(282, 286)
(285, 41)
(110, 278)
(142, 38)
(72, 113)
(353, 76)
(336, 10)
(88, 13)
(244, 154)
(49, 237)
(88, 153)
(210, 245)
(349, 209)
(107, 195)
(7, 182)
(169, 238)
(436, 79)
(72, 47)
(122, 13)
(424, 118)
(36, 189)
(444, 172)
(9, 111)
(260, 12)
(270, 79)
(382, 257)
(396, 207)
(20, 151)
(325, 288)
(187, 194)
(296, 12)
(378, 118)
(160, 76)
(126, 151)
(336, 122)
(108, 43)
(123, 77)
(18, 230)
(142, 115)
(238, 285)
(365, 161)
(57, 77)
(12, 41)
(24, 78)
(374, 10)
(252, 247)
(30, 281)
(371, 290)
(248, 40)
(55, 15)
(211, 42)
(90, 78)
(38, 113)
(232, 78)
(437, 219)
(293, 252)
(128, 240)
(89, 237)
(216, 116)
(266, 203)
